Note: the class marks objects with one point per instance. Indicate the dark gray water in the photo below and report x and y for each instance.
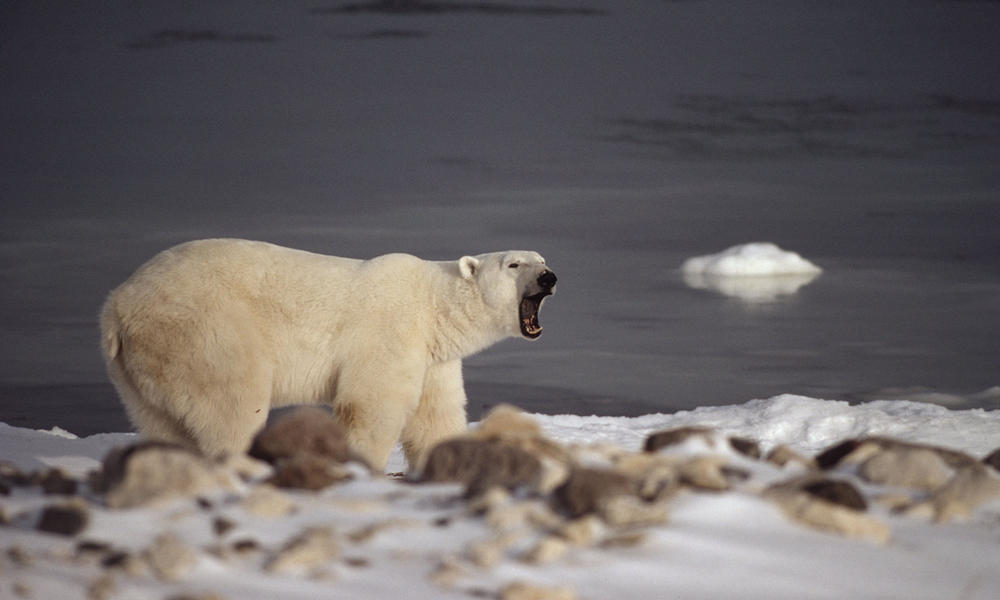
(617, 139)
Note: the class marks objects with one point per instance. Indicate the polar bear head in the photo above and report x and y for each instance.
(512, 285)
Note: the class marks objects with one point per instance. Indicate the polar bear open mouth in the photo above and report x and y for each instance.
(528, 312)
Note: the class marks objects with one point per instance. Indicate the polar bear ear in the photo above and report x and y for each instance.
(468, 266)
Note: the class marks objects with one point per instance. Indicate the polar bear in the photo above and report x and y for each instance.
(202, 340)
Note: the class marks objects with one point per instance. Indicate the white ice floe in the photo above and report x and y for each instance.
(755, 272)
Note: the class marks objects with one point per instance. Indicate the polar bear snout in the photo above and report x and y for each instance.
(547, 280)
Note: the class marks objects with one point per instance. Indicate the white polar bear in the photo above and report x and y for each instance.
(209, 335)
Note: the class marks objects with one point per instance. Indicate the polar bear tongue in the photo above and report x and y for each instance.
(528, 312)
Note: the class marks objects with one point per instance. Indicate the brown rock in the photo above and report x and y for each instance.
(710, 473)
(169, 558)
(836, 492)
(520, 590)
(308, 472)
(102, 588)
(65, 519)
(505, 421)
(481, 464)
(305, 551)
(56, 482)
(12, 475)
(993, 459)
(783, 455)
(856, 451)
(266, 501)
(150, 472)
(964, 493)
(307, 430)
(587, 490)
(828, 505)
(906, 466)
(672, 437)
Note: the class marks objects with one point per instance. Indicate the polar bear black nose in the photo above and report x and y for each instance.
(547, 280)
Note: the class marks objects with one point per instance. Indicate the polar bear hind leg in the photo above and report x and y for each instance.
(439, 415)
(373, 403)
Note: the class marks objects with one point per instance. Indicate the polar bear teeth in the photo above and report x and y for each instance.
(528, 311)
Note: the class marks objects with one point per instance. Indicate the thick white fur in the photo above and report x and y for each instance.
(207, 336)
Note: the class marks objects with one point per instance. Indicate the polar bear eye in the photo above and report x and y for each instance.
(512, 266)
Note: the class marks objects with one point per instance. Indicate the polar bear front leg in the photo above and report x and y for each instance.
(373, 403)
(439, 415)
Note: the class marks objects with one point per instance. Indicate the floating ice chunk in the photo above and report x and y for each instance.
(757, 272)
(759, 259)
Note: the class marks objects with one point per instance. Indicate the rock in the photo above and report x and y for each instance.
(513, 427)
(583, 531)
(857, 451)
(627, 510)
(481, 464)
(306, 551)
(587, 490)
(672, 437)
(169, 558)
(448, 572)
(56, 482)
(245, 467)
(520, 590)
(19, 556)
(69, 518)
(993, 459)
(221, 526)
(548, 549)
(710, 473)
(744, 446)
(656, 476)
(966, 491)
(307, 430)
(308, 472)
(908, 467)
(506, 421)
(13, 476)
(102, 588)
(711, 438)
(488, 552)
(150, 472)
(266, 501)
(827, 505)
(783, 455)
(836, 492)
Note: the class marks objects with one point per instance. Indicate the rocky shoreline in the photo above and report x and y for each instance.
(503, 492)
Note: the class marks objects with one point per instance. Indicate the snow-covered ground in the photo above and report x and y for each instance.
(395, 539)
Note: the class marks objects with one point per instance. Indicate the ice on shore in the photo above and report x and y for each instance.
(396, 539)
(754, 272)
